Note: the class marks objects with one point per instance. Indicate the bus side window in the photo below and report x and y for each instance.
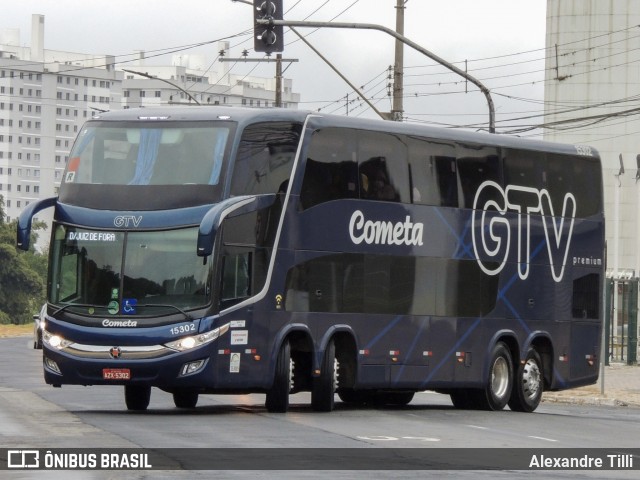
(567, 175)
(265, 158)
(236, 278)
(475, 166)
(384, 170)
(524, 169)
(331, 172)
(433, 172)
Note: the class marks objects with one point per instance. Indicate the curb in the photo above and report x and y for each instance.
(587, 400)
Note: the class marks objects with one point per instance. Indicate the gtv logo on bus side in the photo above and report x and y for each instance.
(491, 230)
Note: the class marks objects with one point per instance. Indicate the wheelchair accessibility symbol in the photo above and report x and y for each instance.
(129, 306)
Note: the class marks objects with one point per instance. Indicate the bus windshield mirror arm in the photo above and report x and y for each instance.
(229, 208)
(23, 232)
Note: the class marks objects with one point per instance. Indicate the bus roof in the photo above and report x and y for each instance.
(246, 116)
(199, 113)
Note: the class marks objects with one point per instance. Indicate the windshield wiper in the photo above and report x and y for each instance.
(187, 316)
(80, 305)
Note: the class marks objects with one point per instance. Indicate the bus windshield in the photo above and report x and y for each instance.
(127, 273)
(148, 153)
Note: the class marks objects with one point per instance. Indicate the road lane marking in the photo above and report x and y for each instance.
(385, 438)
(542, 438)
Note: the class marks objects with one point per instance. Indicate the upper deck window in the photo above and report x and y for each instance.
(265, 158)
(136, 153)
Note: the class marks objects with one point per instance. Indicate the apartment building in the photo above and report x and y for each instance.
(45, 97)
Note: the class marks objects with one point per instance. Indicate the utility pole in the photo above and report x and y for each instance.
(279, 80)
(398, 67)
(278, 60)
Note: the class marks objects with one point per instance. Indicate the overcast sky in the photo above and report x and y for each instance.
(503, 41)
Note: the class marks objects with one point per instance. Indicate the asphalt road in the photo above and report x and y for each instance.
(35, 415)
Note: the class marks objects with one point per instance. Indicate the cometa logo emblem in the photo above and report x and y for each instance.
(384, 232)
(115, 352)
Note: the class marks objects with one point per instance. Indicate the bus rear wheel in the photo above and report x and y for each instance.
(528, 385)
(137, 397)
(398, 399)
(278, 395)
(497, 391)
(358, 397)
(326, 384)
(462, 399)
(185, 398)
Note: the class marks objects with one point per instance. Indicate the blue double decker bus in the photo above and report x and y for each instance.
(210, 250)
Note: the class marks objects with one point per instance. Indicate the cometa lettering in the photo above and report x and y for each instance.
(380, 232)
(119, 323)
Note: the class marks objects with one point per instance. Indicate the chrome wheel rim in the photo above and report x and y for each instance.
(500, 377)
(531, 378)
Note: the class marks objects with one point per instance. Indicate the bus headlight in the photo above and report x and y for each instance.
(187, 343)
(55, 341)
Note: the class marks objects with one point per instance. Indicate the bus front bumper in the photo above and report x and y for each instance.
(182, 363)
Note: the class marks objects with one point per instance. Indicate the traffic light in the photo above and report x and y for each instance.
(267, 38)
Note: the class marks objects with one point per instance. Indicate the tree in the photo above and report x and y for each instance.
(22, 274)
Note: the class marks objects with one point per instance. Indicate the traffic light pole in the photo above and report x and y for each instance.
(403, 39)
(371, 105)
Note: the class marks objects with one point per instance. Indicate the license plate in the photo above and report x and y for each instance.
(116, 374)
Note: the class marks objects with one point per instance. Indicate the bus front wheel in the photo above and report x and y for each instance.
(528, 385)
(137, 397)
(326, 384)
(278, 395)
(185, 399)
(497, 391)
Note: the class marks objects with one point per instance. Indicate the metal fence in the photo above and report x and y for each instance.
(621, 321)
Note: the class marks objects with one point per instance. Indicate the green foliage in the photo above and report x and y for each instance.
(22, 274)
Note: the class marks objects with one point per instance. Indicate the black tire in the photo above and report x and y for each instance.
(528, 384)
(398, 399)
(137, 397)
(358, 397)
(496, 393)
(462, 399)
(326, 384)
(277, 400)
(185, 399)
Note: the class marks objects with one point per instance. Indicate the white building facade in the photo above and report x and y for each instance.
(45, 97)
(592, 94)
